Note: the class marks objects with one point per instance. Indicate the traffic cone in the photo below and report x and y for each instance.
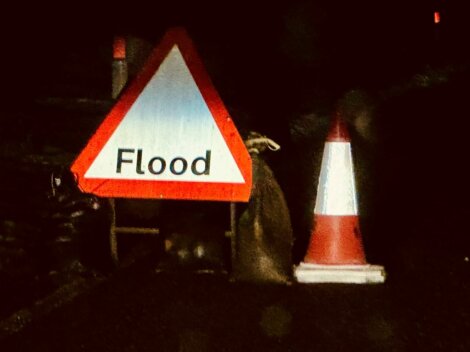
(335, 252)
(119, 69)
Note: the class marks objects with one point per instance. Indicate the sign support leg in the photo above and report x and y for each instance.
(233, 232)
(112, 233)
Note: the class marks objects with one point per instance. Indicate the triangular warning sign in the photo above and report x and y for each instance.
(169, 136)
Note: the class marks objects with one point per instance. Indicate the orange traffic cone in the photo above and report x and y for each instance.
(335, 252)
(119, 69)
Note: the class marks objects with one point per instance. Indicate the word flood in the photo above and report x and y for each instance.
(157, 165)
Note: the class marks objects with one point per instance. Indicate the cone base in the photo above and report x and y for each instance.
(336, 240)
(348, 274)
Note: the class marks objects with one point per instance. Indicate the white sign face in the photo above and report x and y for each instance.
(163, 139)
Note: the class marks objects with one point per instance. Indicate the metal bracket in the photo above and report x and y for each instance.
(114, 230)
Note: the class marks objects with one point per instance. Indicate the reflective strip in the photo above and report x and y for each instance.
(336, 193)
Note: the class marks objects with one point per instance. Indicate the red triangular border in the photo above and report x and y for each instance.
(115, 188)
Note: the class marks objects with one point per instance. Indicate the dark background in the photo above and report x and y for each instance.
(255, 52)
(281, 68)
(273, 64)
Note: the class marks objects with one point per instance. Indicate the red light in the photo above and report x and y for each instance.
(437, 17)
(119, 48)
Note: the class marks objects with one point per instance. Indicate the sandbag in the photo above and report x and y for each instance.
(264, 236)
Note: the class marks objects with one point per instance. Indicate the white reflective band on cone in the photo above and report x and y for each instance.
(336, 193)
